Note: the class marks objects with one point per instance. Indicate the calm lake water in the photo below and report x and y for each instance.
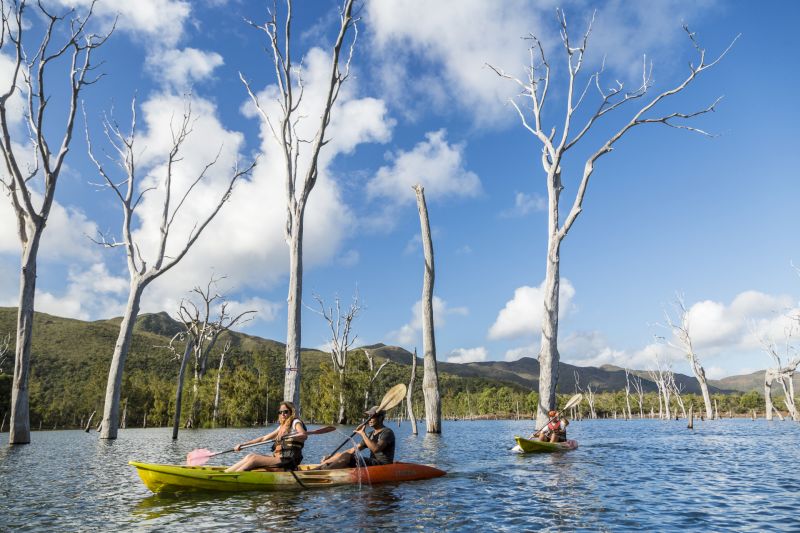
(644, 475)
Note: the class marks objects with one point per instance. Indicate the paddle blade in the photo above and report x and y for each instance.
(575, 400)
(393, 396)
(320, 431)
(198, 457)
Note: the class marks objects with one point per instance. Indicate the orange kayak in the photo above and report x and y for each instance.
(179, 478)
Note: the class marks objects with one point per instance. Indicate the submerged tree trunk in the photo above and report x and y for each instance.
(110, 422)
(410, 394)
(548, 352)
(430, 379)
(700, 374)
(768, 377)
(187, 353)
(19, 425)
(291, 384)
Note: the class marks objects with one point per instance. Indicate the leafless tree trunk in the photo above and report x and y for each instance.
(340, 325)
(225, 351)
(628, 393)
(590, 397)
(89, 422)
(680, 330)
(373, 375)
(637, 385)
(555, 147)
(676, 392)
(284, 129)
(187, 354)
(661, 377)
(430, 377)
(410, 394)
(5, 345)
(32, 203)
(784, 375)
(142, 273)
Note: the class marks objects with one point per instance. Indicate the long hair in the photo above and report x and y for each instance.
(286, 425)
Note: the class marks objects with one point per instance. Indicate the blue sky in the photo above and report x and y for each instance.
(668, 211)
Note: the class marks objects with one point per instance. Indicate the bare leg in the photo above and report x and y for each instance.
(254, 460)
(340, 460)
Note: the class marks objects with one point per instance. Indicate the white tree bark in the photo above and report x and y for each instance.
(341, 325)
(225, 351)
(680, 330)
(284, 130)
(142, 274)
(430, 378)
(410, 394)
(27, 77)
(554, 149)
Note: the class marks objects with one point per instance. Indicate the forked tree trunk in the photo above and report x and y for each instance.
(110, 422)
(187, 353)
(430, 379)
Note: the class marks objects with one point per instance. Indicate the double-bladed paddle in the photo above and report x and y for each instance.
(201, 456)
(575, 400)
(393, 396)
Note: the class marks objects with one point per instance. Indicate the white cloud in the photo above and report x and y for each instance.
(433, 163)
(158, 22)
(409, 334)
(525, 204)
(181, 68)
(468, 355)
(450, 45)
(522, 315)
(90, 293)
(515, 354)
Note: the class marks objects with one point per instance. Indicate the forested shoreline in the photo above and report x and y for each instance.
(71, 366)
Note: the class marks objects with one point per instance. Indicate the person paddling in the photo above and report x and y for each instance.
(556, 428)
(380, 443)
(287, 446)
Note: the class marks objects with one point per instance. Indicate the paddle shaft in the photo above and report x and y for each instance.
(353, 434)
(326, 429)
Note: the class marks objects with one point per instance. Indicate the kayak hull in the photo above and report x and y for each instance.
(161, 478)
(535, 446)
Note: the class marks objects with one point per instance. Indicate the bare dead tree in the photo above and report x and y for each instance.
(410, 394)
(5, 344)
(430, 376)
(590, 398)
(660, 376)
(373, 375)
(679, 327)
(628, 393)
(201, 333)
(637, 385)
(340, 324)
(22, 172)
(784, 375)
(675, 391)
(284, 128)
(556, 146)
(225, 350)
(141, 272)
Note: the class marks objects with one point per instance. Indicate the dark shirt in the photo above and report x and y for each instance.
(385, 440)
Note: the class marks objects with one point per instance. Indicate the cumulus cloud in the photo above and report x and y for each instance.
(522, 315)
(159, 22)
(181, 68)
(90, 293)
(409, 334)
(525, 204)
(467, 355)
(454, 41)
(433, 163)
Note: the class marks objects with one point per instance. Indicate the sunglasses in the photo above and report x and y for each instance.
(284, 412)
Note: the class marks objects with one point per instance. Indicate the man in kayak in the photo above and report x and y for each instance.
(287, 445)
(380, 443)
(556, 428)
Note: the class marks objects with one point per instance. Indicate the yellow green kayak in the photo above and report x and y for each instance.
(180, 478)
(535, 446)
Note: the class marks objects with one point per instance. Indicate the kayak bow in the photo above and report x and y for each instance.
(536, 446)
(178, 478)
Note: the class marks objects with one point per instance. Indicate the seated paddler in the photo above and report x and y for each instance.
(287, 444)
(379, 442)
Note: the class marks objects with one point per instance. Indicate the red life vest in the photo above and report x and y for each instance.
(554, 425)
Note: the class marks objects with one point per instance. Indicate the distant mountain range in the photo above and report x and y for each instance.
(75, 340)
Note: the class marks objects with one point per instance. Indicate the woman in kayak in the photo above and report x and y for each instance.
(556, 428)
(380, 443)
(287, 446)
